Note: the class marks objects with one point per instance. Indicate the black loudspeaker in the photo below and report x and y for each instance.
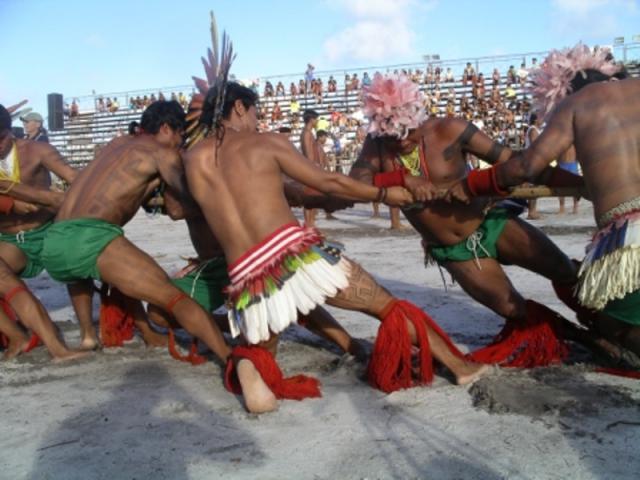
(56, 115)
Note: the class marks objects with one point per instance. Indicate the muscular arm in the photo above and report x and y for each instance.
(529, 164)
(178, 200)
(30, 194)
(477, 143)
(52, 161)
(368, 162)
(309, 147)
(298, 195)
(299, 168)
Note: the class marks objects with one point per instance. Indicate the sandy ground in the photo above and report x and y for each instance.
(134, 413)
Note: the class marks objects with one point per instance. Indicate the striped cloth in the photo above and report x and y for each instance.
(293, 269)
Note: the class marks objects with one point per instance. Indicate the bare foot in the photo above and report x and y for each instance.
(534, 216)
(89, 343)
(155, 339)
(257, 396)
(15, 348)
(474, 372)
(399, 226)
(561, 211)
(69, 355)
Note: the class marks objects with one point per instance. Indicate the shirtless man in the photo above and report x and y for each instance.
(86, 241)
(470, 241)
(24, 171)
(600, 119)
(276, 267)
(311, 150)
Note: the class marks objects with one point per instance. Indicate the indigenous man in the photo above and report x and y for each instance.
(86, 241)
(24, 172)
(470, 241)
(278, 268)
(600, 119)
(311, 150)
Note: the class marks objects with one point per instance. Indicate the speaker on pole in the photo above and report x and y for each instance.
(56, 115)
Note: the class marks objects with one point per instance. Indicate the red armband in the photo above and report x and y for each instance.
(6, 204)
(389, 179)
(483, 183)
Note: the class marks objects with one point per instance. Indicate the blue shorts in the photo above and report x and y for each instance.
(569, 167)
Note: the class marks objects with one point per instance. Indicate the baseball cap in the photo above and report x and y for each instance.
(32, 116)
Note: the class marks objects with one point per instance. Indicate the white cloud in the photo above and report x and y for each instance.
(596, 18)
(381, 30)
(370, 40)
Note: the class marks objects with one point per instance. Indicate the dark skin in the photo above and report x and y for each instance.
(446, 142)
(239, 188)
(112, 188)
(36, 160)
(603, 125)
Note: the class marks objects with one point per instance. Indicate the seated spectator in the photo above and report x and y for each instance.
(182, 100)
(495, 77)
(495, 94)
(332, 85)
(276, 113)
(101, 105)
(174, 97)
(511, 75)
(302, 87)
(152, 99)
(437, 74)
(468, 74)
(480, 85)
(294, 110)
(451, 109)
(161, 96)
(347, 83)
(280, 89)
(449, 75)
(268, 89)
(293, 90)
(317, 90)
(451, 95)
(355, 83)
(132, 103)
(428, 78)
(522, 74)
(33, 129)
(108, 104)
(510, 92)
(114, 105)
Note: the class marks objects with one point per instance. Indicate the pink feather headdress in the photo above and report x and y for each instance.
(393, 104)
(551, 81)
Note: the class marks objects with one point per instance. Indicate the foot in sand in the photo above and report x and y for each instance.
(399, 226)
(257, 396)
(89, 343)
(69, 355)
(155, 339)
(474, 372)
(15, 348)
(534, 216)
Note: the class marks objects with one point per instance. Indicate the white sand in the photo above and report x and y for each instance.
(134, 413)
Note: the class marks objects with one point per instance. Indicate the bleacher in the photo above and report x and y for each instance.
(91, 129)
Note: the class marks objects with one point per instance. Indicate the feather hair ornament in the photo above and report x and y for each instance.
(551, 81)
(205, 108)
(393, 104)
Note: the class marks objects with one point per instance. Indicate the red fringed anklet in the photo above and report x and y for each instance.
(390, 366)
(34, 340)
(116, 322)
(297, 387)
(193, 357)
(534, 343)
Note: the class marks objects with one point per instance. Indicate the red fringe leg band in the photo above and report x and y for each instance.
(116, 322)
(535, 343)
(390, 366)
(34, 340)
(297, 387)
(193, 357)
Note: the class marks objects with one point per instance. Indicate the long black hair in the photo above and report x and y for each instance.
(212, 114)
(590, 75)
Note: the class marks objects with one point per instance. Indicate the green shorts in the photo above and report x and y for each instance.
(30, 243)
(480, 244)
(205, 283)
(626, 309)
(71, 248)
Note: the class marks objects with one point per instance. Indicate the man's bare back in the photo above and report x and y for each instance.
(601, 121)
(115, 184)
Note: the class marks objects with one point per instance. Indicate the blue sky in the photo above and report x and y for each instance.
(74, 47)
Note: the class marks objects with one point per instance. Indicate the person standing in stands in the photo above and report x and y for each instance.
(33, 128)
